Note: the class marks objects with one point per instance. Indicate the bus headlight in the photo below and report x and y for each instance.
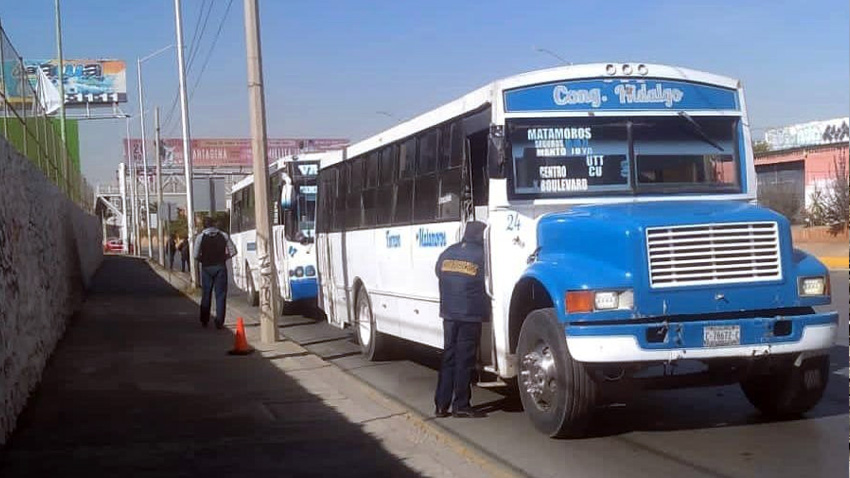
(590, 301)
(813, 286)
(299, 271)
(310, 271)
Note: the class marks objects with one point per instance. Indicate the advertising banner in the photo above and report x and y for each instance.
(232, 152)
(808, 134)
(86, 81)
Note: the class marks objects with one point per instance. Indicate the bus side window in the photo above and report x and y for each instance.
(354, 203)
(234, 212)
(404, 185)
(427, 187)
(340, 196)
(451, 172)
(386, 185)
(248, 214)
(370, 189)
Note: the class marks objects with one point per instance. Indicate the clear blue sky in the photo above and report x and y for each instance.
(330, 66)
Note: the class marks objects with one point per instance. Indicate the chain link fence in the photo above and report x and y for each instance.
(31, 131)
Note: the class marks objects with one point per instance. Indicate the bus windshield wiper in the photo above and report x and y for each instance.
(699, 131)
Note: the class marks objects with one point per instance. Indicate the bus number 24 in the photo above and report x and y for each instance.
(513, 222)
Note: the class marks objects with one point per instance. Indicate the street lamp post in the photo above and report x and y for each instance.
(553, 54)
(187, 143)
(139, 62)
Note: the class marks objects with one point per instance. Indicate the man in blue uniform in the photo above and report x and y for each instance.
(464, 305)
(213, 248)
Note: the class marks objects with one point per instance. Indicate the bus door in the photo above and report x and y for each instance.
(287, 204)
(477, 150)
(329, 253)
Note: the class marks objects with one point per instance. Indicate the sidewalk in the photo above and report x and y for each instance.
(138, 388)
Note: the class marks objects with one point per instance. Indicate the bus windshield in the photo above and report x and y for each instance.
(566, 157)
(305, 208)
(301, 220)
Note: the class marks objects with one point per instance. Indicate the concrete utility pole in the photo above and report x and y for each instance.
(269, 295)
(159, 221)
(187, 144)
(125, 231)
(66, 163)
(145, 159)
(133, 198)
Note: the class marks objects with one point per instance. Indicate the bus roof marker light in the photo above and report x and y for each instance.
(642, 69)
(627, 69)
(610, 69)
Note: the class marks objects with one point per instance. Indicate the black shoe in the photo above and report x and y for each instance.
(468, 413)
(219, 326)
(205, 324)
(441, 412)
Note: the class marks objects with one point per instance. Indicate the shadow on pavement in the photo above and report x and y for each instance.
(659, 410)
(137, 388)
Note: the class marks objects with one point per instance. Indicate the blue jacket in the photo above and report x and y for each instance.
(460, 270)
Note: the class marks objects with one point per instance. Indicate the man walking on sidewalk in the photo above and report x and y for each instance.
(212, 249)
(464, 305)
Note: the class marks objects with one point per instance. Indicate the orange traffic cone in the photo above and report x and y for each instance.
(240, 345)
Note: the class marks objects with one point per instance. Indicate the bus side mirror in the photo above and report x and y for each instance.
(286, 194)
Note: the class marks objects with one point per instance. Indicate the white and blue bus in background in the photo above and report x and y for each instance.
(293, 189)
(624, 239)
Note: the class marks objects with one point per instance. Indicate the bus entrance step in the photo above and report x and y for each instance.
(498, 383)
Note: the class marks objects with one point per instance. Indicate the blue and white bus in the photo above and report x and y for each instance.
(624, 238)
(293, 189)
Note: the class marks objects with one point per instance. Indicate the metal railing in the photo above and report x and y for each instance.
(32, 132)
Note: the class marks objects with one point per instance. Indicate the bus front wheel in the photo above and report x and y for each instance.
(790, 390)
(373, 344)
(557, 392)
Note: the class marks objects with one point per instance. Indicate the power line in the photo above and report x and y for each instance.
(194, 47)
(210, 51)
(200, 38)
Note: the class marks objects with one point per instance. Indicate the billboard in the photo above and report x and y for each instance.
(86, 81)
(231, 152)
(808, 134)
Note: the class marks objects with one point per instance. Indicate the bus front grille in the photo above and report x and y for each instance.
(706, 254)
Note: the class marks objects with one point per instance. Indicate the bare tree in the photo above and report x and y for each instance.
(782, 199)
(837, 196)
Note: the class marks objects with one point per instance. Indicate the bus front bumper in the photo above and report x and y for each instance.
(663, 342)
(304, 288)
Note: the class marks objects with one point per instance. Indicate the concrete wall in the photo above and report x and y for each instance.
(49, 251)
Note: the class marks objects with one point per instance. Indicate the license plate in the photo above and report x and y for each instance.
(721, 335)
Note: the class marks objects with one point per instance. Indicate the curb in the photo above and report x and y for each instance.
(835, 262)
(482, 458)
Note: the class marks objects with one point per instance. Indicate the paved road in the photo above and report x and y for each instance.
(703, 432)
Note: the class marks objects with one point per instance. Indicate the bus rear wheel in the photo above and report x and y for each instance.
(557, 392)
(253, 295)
(373, 344)
(790, 390)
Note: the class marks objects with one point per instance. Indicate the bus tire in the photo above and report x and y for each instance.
(789, 391)
(253, 295)
(373, 344)
(557, 392)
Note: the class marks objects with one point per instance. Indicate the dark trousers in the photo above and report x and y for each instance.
(460, 343)
(184, 263)
(170, 256)
(213, 277)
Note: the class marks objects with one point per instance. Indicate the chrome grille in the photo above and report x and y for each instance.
(706, 254)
